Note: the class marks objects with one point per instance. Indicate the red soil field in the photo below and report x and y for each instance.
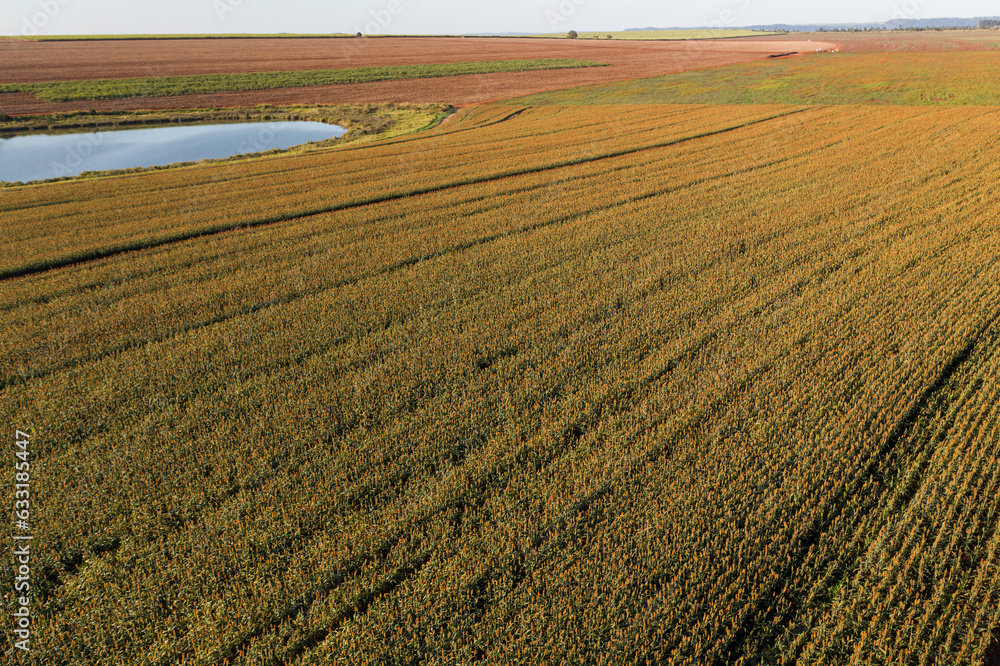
(24, 61)
(926, 40)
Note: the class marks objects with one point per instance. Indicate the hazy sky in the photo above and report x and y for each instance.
(447, 16)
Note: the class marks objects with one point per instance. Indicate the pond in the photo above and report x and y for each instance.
(41, 156)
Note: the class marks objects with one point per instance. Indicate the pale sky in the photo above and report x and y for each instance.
(67, 17)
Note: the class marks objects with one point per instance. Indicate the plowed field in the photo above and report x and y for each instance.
(22, 61)
(927, 40)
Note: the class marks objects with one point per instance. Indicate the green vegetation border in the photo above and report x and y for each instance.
(168, 86)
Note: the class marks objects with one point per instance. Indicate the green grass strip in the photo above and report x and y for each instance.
(166, 86)
(906, 79)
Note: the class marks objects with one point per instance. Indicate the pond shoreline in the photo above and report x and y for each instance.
(368, 122)
(34, 157)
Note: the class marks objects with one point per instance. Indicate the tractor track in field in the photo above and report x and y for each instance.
(88, 256)
(383, 270)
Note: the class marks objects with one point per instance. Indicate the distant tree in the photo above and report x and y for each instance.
(572, 34)
(607, 37)
(987, 24)
(358, 35)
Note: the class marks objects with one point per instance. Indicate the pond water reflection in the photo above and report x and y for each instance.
(41, 156)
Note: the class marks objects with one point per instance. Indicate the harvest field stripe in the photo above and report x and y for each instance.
(200, 84)
(93, 255)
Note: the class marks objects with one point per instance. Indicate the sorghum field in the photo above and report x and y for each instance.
(570, 383)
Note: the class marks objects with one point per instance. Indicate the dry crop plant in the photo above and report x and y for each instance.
(543, 385)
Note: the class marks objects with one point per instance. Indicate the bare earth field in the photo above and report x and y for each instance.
(23, 62)
(927, 40)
